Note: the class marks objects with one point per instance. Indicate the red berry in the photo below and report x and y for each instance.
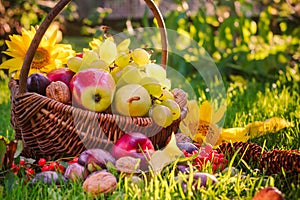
(208, 148)
(75, 159)
(61, 168)
(45, 168)
(214, 167)
(221, 159)
(15, 168)
(216, 160)
(22, 162)
(203, 154)
(42, 162)
(53, 166)
(30, 171)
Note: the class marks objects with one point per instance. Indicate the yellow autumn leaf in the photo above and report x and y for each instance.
(238, 134)
(162, 158)
(271, 125)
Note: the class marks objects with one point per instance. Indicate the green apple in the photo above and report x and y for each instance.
(132, 100)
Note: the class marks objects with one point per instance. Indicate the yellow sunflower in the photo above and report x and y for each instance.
(201, 125)
(47, 57)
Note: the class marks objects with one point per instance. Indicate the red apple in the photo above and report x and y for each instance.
(93, 89)
(62, 74)
(136, 145)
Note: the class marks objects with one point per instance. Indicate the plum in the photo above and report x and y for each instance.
(183, 168)
(95, 159)
(204, 178)
(38, 83)
(200, 179)
(187, 146)
(49, 177)
(75, 172)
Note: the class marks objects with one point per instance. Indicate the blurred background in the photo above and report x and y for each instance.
(252, 39)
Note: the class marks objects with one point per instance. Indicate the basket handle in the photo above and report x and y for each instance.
(50, 17)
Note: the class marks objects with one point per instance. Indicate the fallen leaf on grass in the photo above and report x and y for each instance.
(162, 158)
(254, 129)
(271, 125)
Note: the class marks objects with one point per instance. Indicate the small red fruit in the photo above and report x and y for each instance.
(74, 160)
(15, 168)
(61, 168)
(30, 171)
(22, 162)
(53, 166)
(42, 162)
(45, 168)
(13, 165)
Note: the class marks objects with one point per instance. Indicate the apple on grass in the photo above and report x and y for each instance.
(93, 89)
(135, 145)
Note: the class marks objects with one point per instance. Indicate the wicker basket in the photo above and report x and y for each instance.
(52, 130)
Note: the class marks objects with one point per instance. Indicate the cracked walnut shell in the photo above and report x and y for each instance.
(58, 91)
(99, 182)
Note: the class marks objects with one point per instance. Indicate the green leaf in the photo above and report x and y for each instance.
(11, 181)
(19, 148)
(2, 152)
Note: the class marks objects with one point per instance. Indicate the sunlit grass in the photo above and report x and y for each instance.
(247, 102)
(5, 128)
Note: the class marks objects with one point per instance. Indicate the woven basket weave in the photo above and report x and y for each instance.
(51, 129)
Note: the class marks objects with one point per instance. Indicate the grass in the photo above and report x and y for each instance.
(248, 101)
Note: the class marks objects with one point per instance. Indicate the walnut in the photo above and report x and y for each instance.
(100, 182)
(58, 91)
(128, 164)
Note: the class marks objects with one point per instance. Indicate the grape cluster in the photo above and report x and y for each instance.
(207, 156)
(134, 68)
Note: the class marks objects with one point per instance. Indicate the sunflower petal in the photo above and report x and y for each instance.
(18, 45)
(14, 49)
(52, 38)
(13, 64)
